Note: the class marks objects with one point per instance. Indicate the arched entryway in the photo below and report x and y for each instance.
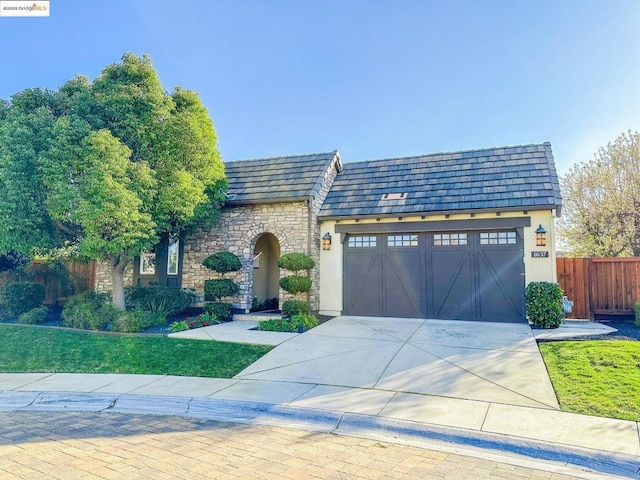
(266, 274)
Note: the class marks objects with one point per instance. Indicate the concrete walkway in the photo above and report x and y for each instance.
(480, 385)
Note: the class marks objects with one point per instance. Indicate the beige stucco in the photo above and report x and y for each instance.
(536, 269)
(265, 267)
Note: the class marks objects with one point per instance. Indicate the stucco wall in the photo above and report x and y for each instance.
(536, 269)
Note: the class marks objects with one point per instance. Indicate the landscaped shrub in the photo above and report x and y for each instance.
(295, 284)
(306, 321)
(222, 262)
(295, 307)
(202, 320)
(295, 262)
(127, 322)
(544, 304)
(89, 311)
(275, 325)
(136, 321)
(293, 324)
(220, 310)
(20, 297)
(636, 308)
(179, 326)
(34, 316)
(162, 301)
(219, 288)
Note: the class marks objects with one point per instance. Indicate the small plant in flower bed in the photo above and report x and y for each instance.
(275, 325)
(293, 324)
(202, 320)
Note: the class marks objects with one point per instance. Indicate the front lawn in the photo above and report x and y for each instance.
(600, 377)
(41, 349)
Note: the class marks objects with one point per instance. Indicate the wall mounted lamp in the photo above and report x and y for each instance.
(326, 241)
(541, 236)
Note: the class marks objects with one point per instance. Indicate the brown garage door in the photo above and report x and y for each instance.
(473, 275)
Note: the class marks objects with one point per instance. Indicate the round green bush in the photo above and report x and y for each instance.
(295, 262)
(220, 287)
(223, 262)
(136, 321)
(295, 307)
(20, 297)
(222, 311)
(295, 284)
(89, 311)
(544, 304)
(34, 316)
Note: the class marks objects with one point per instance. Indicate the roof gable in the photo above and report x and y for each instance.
(519, 177)
(277, 179)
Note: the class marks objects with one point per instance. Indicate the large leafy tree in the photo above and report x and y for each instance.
(601, 211)
(106, 167)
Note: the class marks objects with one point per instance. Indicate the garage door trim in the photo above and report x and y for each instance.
(436, 225)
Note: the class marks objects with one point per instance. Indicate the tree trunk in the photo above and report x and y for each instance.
(118, 264)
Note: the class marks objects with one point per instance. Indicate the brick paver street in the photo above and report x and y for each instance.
(69, 446)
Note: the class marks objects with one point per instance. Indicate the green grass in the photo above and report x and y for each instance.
(599, 378)
(39, 349)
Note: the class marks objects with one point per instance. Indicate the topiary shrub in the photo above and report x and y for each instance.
(544, 304)
(295, 307)
(220, 287)
(222, 311)
(636, 308)
(162, 301)
(296, 262)
(20, 297)
(34, 316)
(90, 311)
(223, 262)
(295, 284)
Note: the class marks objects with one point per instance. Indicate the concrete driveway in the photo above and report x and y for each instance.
(483, 361)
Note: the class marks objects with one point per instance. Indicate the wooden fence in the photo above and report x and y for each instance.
(81, 277)
(600, 286)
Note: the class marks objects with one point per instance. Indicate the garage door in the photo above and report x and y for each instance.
(466, 275)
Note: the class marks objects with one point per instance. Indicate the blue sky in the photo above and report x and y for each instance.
(372, 79)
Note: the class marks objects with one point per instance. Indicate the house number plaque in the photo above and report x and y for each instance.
(540, 254)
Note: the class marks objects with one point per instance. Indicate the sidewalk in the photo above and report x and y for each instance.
(599, 444)
(605, 446)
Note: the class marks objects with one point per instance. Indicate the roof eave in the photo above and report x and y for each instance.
(260, 201)
(433, 213)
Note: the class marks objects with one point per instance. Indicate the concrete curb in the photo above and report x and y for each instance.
(324, 421)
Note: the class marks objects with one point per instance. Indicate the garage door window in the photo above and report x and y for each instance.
(497, 238)
(449, 239)
(402, 241)
(362, 241)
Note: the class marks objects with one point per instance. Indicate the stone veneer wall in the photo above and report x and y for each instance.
(239, 229)
(103, 276)
(316, 235)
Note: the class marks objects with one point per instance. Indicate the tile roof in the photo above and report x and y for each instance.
(277, 179)
(519, 177)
